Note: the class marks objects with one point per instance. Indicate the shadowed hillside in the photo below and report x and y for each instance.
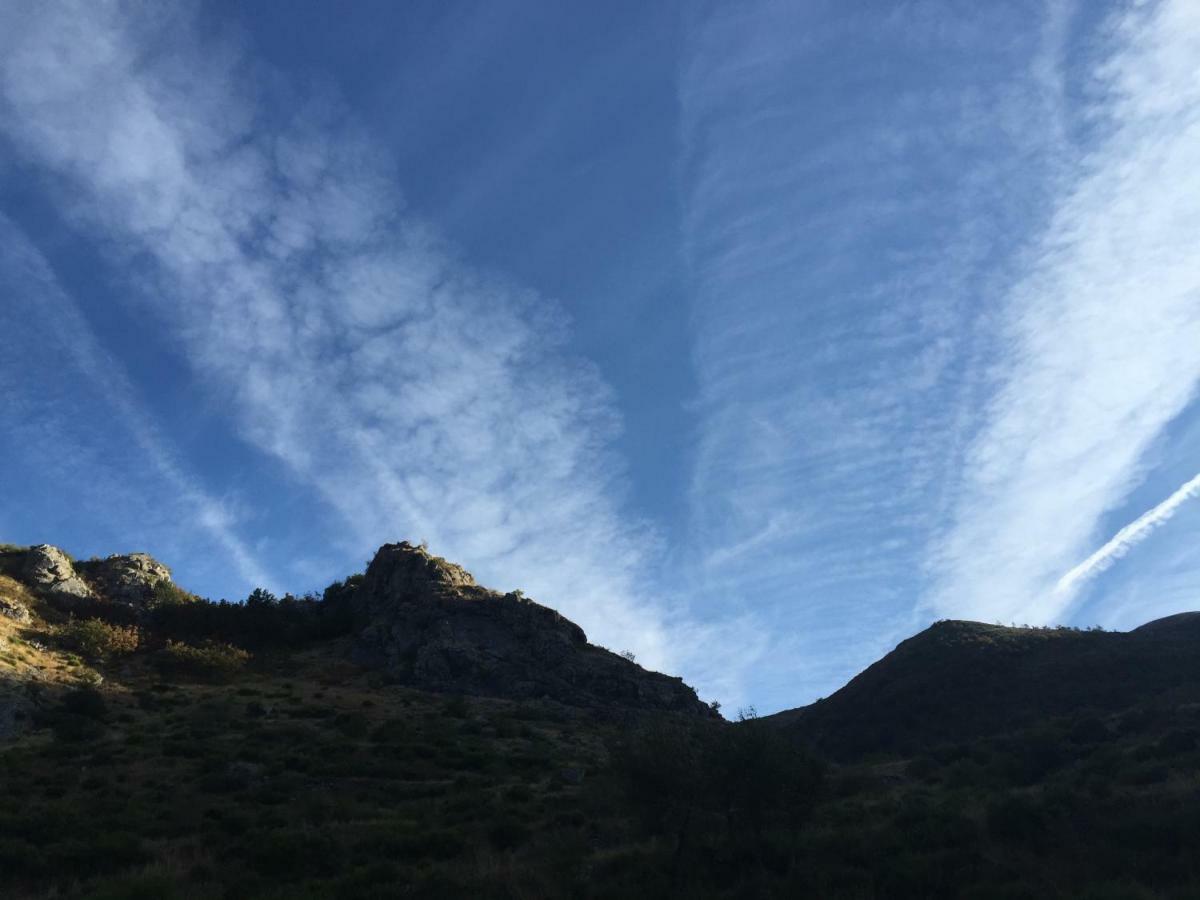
(959, 681)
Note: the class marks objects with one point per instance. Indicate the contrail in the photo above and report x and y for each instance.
(1129, 537)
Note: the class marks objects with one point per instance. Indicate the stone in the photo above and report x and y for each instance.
(15, 610)
(13, 600)
(50, 572)
(428, 624)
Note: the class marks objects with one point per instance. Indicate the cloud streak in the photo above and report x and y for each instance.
(841, 223)
(1129, 537)
(418, 397)
(945, 302)
(1094, 355)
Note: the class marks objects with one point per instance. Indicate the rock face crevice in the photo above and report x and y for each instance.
(428, 624)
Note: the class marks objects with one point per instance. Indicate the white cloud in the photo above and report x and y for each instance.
(420, 398)
(1128, 537)
(1098, 342)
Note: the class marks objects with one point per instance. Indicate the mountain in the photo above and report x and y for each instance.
(961, 681)
(409, 733)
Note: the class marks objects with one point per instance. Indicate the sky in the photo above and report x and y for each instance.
(752, 337)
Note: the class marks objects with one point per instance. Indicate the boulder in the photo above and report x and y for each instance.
(50, 572)
(428, 624)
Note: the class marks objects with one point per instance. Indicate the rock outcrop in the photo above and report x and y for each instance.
(129, 579)
(428, 624)
(49, 572)
(15, 610)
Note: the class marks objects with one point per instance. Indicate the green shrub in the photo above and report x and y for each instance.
(168, 593)
(98, 640)
(207, 660)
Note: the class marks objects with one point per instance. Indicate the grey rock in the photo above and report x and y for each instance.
(428, 624)
(129, 579)
(50, 572)
(11, 608)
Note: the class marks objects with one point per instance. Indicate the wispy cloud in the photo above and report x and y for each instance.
(943, 305)
(33, 295)
(841, 223)
(1096, 352)
(1128, 537)
(420, 398)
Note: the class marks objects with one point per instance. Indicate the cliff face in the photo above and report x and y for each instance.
(428, 624)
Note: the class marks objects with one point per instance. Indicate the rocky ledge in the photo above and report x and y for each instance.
(428, 624)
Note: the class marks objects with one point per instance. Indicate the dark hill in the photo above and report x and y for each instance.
(428, 624)
(958, 681)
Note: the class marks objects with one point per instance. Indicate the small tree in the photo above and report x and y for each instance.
(98, 640)
(261, 597)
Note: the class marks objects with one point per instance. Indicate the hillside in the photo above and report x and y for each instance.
(959, 681)
(409, 733)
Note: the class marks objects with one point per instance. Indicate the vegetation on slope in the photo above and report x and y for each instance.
(234, 750)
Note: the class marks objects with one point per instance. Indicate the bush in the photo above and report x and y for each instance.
(508, 834)
(208, 660)
(97, 640)
(168, 593)
(746, 776)
(85, 701)
(80, 716)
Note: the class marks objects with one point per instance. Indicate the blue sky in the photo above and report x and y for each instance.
(753, 337)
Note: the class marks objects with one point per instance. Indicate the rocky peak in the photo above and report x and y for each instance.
(429, 624)
(127, 578)
(403, 571)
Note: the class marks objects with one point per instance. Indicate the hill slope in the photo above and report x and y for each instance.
(959, 681)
